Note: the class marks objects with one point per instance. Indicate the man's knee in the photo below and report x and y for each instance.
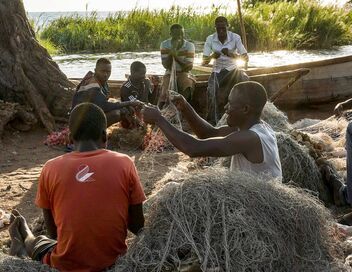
(113, 117)
(187, 93)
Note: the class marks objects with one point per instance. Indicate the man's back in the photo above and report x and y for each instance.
(89, 194)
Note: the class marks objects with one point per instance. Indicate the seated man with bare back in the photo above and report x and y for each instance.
(94, 88)
(89, 198)
(250, 141)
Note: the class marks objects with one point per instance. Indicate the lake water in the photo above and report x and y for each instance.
(77, 65)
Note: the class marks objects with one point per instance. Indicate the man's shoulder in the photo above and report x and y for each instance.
(166, 43)
(189, 45)
(234, 35)
(211, 37)
(127, 84)
(114, 155)
(55, 162)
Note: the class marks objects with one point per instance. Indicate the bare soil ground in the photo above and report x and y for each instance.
(22, 155)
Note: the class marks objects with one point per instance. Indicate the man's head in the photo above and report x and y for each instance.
(246, 102)
(177, 32)
(138, 71)
(102, 70)
(87, 123)
(221, 26)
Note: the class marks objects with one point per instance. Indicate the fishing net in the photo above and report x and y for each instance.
(12, 264)
(221, 221)
(60, 137)
(155, 140)
(126, 139)
(275, 118)
(328, 138)
(300, 168)
(332, 129)
(271, 115)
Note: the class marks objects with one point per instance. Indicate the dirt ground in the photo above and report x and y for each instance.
(22, 155)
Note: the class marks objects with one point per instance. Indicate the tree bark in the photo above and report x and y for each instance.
(28, 75)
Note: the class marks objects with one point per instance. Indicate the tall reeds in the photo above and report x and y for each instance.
(282, 25)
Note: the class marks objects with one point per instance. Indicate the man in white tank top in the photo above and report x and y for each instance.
(249, 140)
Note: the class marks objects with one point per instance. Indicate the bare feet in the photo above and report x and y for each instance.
(23, 226)
(17, 243)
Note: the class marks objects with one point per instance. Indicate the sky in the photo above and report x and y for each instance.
(115, 5)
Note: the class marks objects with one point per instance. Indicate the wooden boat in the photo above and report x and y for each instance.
(328, 81)
(277, 83)
(311, 83)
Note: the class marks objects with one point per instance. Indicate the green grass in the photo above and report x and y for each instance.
(49, 46)
(281, 25)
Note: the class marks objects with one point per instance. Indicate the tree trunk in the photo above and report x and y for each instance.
(28, 75)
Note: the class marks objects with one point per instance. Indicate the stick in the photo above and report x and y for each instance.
(243, 30)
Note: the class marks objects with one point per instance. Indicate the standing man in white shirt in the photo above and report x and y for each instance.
(225, 47)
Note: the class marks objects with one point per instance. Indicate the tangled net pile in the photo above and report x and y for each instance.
(12, 264)
(232, 222)
(300, 168)
(275, 118)
(126, 139)
(331, 130)
(60, 137)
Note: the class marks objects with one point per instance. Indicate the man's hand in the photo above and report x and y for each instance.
(216, 55)
(136, 104)
(179, 101)
(338, 109)
(150, 114)
(173, 53)
(225, 51)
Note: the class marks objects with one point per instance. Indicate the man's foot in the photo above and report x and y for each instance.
(335, 184)
(17, 243)
(23, 227)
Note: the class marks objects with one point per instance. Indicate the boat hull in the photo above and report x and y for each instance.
(328, 81)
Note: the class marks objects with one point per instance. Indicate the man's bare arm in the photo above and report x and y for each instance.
(167, 62)
(135, 218)
(50, 224)
(186, 66)
(237, 142)
(198, 125)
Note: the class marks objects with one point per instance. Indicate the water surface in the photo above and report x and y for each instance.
(77, 65)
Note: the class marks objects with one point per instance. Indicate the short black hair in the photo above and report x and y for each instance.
(252, 93)
(136, 66)
(221, 19)
(102, 61)
(176, 26)
(87, 122)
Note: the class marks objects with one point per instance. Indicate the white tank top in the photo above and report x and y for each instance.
(271, 164)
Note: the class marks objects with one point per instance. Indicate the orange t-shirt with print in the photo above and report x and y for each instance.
(89, 194)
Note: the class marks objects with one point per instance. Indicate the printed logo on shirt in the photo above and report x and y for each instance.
(83, 174)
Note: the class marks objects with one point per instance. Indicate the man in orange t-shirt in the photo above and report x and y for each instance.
(89, 198)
